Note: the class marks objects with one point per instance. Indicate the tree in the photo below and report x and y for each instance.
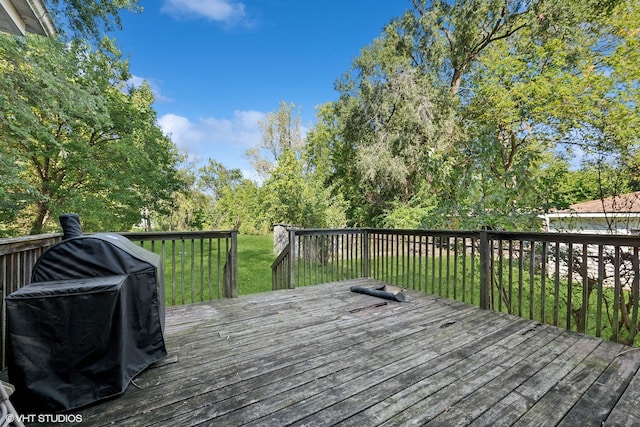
(399, 102)
(294, 190)
(83, 140)
(389, 129)
(188, 208)
(470, 101)
(448, 37)
(236, 200)
(240, 208)
(291, 196)
(280, 131)
(88, 20)
(214, 177)
(329, 156)
(596, 106)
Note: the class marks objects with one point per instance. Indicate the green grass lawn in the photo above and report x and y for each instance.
(191, 271)
(255, 256)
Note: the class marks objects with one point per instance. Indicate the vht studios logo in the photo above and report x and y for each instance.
(44, 418)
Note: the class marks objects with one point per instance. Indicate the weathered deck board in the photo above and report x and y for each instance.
(322, 355)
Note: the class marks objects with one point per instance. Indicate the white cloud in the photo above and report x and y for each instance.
(227, 11)
(182, 132)
(137, 81)
(224, 140)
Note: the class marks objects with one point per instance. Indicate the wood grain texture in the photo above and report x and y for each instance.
(322, 355)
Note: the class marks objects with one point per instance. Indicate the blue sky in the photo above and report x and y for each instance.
(218, 66)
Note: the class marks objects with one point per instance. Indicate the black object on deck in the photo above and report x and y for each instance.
(91, 319)
(381, 292)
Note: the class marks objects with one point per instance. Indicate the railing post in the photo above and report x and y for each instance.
(3, 310)
(274, 279)
(292, 258)
(365, 253)
(485, 271)
(231, 269)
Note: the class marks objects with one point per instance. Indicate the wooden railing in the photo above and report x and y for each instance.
(583, 282)
(198, 266)
(18, 255)
(319, 256)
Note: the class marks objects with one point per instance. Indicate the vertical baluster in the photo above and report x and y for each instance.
(543, 282)
(635, 295)
(599, 291)
(510, 283)
(440, 268)
(617, 293)
(472, 290)
(556, 293)
(464, 269)
(570, 253)
(192, 275)
(585, 289)
(448, 266)
(173, 273)
(209, 270)
(221, 269)
(500, 284)
(201, 267)
(412, 251)
(420, 259)
(455, 268)
(532, 274)
(433, 264)
(520, 276)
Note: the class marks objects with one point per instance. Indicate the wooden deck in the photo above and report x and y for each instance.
(323, 355)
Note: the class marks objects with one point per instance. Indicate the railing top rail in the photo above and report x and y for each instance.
(414, 232)
(177, 235)
(281, 256)
(591, 238)
(326, 231)
(16, 244)
(24, 243)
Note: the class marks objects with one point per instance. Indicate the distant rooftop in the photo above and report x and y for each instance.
(25, 16)
(624, 203)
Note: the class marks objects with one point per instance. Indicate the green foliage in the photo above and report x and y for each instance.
(241, 208)
(280, 131)
(82, 140)
(294, 191)
(413, 214)
(470, 113)
(292, 197)
(214, 177)
(88, 20)
(463, 114)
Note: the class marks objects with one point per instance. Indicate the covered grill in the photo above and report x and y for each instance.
(91, 319)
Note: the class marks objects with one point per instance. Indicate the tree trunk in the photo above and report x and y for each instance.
(41, 218)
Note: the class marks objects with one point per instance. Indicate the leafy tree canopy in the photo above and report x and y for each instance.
(81, 139)
(88, 20)
(469, 113)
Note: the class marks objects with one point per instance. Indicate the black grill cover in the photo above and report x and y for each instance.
(90, 321)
